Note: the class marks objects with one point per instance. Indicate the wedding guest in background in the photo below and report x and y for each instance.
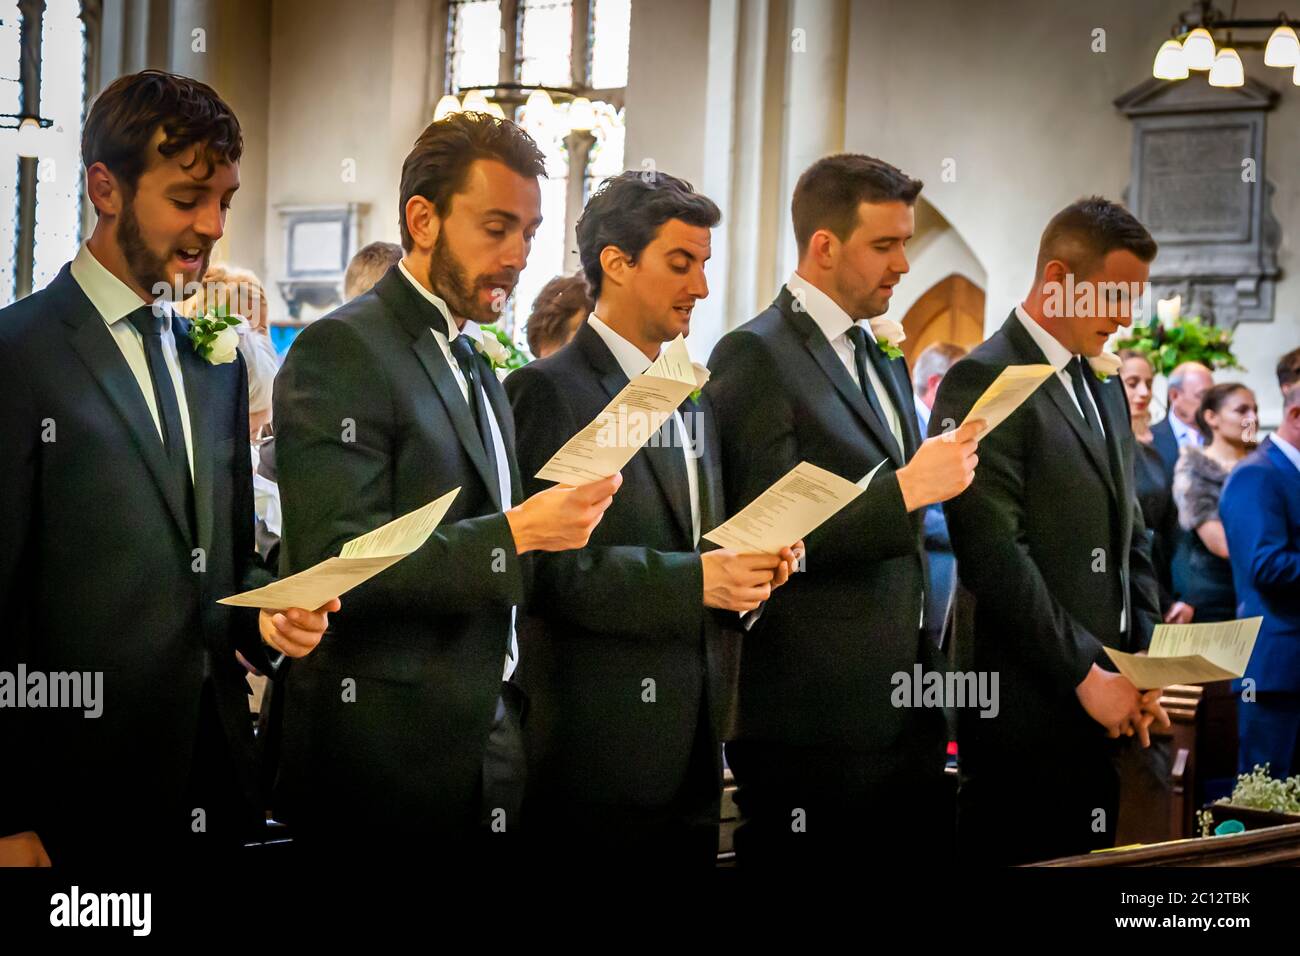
(1260, 510)
(1288, 371)
(1153, 488)
(368, 267)
(559, 309)
(930, 368)
(1187, 383)
(1227, 420)
(126, 529)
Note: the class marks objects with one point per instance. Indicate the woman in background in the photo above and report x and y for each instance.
(1154, 494)
(1226, 419)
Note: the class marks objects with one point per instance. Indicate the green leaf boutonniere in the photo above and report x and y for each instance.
(213, 335)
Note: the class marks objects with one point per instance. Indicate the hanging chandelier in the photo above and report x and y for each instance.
(1202, 41)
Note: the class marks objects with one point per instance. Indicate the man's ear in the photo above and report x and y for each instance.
(104, 190)
(822, 246)
(422, 222)
(1055, 271)
(615, 264)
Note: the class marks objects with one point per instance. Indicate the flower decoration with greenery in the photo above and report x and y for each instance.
(1169, 340)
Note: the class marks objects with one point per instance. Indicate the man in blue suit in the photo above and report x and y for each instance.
(1260, 509)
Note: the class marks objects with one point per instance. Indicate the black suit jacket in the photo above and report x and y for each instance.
(371, 424)
(98, 572)
(816, 669)
(627, 608)
(1166, 443)
(1047, 507)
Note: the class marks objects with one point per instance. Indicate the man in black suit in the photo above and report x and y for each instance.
(627, 656)
(1050, 542)
(405, 725)
(129, 496)
(824, 762)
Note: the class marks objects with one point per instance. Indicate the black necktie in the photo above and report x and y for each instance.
(1078, 369)
(861, 343)
(150, 328)
(467, 358)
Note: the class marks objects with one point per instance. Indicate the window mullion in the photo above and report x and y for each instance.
(511, 57)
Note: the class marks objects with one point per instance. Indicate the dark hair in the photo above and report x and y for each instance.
(438, 163)
(368, 266)
(829, 192)
(553, 308)
(1288, 370)
(1214, 399)
(628, 210)
(1084, 232)
(127, 114)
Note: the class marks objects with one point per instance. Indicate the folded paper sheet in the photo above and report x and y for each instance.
(1006, 393)
(796, 505)
(361, 559)
(1191, 654)
(631, 418)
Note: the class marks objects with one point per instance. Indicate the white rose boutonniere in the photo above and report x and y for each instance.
(502, 354)
(214, 335)
(1105, 365)
(889, 336)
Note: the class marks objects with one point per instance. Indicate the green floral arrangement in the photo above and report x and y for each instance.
(1170, 340)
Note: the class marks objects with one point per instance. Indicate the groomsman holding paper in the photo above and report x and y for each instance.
(129, 499)
(825, 763)
(1050, 541)
(407, 718)
(626, 656)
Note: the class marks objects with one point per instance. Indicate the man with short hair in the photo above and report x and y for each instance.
(408, 717)
(1187, 384)
(1050, 542)
(627, 667)
(825, 764)
(1260, 509)
(368, 266)
(127, 480)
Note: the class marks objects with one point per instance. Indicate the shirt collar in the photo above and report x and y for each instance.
(112, 298)
(1183, 432)
(452, 330)
(630, 359)
(1057, 355)
(821, 308)
(922, 413)
(1292, 453)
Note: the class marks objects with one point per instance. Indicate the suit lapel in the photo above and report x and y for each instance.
(893, 372)
(1094, 446)
(500, 404)
(824, 355)
(197, 386)
(93, 342)
(418, 315)
(669, 472)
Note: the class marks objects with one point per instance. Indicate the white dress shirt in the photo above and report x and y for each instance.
(633, 362)
(1059, 357)
(443, 337)
(1185, 434)
(835, 324)
(114, 300)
